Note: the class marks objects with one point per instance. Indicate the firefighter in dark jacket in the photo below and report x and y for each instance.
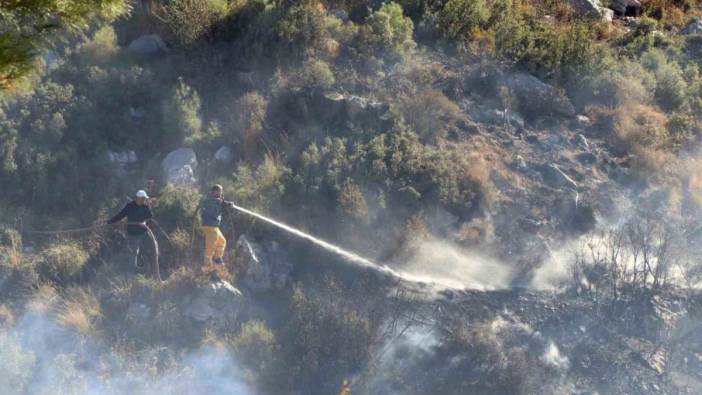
(211, 209)
(137, 213)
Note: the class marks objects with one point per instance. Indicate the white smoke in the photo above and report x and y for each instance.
(448, 266)
(38, 356)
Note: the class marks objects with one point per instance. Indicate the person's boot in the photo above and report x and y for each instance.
(218, 261)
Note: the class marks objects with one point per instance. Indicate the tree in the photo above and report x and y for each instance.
(26, 26)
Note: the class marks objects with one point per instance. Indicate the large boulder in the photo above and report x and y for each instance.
(535, 98)
(148, 44)
(212, 302)
(592, 8)
(265, 267)
(179, 166)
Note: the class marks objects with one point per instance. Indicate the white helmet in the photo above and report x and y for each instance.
(142, 194)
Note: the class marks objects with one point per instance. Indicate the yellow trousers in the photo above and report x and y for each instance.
(215, 243)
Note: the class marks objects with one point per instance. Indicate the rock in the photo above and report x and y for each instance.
(342, 108)
(179, 166)
(592, 8)
(211, 301)
(536, 98)
(355, 105)
(148, 44)
(520, 162)
(694, 27)
(265, 269)
(626, 7)
(224, 155)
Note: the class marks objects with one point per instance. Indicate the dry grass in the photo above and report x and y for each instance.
(43, 299)
(641, 130)
(79, 311)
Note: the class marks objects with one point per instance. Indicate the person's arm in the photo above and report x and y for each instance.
(149, 215)
(120, 215)
(227, 203)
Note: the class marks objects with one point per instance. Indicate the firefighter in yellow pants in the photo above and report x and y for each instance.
(215, 244)
(211, 209)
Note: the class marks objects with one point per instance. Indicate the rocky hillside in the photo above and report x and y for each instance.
(528, 169)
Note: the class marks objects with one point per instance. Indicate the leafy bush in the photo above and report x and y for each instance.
(249, 117)
(62, 262)
(317, 75)
(258, 189)
(322, 342)
(181, 115)
(352, 201)
(387, 32)
(192, 20)
(176, 206)
(255, 345)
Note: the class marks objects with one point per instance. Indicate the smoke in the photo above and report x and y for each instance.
(447, 266)
(38, 356)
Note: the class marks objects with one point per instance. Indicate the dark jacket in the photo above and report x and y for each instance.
(211, 210)
(134, 213)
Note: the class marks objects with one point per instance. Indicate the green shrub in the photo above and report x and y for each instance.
(387, 32)
(248, 121)
(258, 189)
(176, 206)
(181, 115)
(255, 346)
(317, 75)
(322, 342)
(192, 20)
(62, 262)
(352, 201)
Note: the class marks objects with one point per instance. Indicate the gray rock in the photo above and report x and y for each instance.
(626, 7)
(536, 98)
(592, 8)
(148, 44)
(224, 155)
(694, 27)
(211, 301)
(265, 267)
(179, 166)
(355, 105)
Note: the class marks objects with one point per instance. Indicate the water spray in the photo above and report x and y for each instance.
(350, 256)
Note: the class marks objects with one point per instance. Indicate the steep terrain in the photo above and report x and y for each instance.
(507, 196)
